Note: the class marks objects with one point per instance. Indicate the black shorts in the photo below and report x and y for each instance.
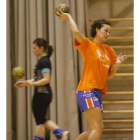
(40, 103)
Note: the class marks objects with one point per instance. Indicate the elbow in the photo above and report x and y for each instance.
(76, 33)
(46, 81)
(110, 76)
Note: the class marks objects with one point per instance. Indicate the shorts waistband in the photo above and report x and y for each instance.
(88, 90)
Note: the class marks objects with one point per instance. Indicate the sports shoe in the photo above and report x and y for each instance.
(66, 135)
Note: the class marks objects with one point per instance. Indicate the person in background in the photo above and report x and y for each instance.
(42, 91)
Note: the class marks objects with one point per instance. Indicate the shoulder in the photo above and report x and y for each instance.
(44, 59)
(109, 49)
(84, 46)
(84, 42)
(44, 62)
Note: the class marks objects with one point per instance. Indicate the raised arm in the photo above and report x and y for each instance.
(73, 27)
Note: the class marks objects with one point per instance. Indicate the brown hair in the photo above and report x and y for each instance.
(98, 24)
(40, 42)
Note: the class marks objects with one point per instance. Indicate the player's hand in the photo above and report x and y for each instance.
(62, 15)
(121, 58)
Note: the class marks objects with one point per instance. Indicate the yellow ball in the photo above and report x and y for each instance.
(63, 8)
(18, 72)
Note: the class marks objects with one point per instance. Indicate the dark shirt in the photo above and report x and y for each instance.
(43, 65)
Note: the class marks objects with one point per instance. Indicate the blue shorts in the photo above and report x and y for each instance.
(91, 99)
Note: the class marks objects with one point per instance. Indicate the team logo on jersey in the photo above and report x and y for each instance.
(99, 53)
(95, 99)
(103, 58)
(106, 56)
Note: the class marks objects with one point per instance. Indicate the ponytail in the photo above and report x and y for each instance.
(49, 50)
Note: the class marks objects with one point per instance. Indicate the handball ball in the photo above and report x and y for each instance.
(63, 8)
(18, 72)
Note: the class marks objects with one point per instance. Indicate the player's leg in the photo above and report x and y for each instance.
(57, 131)
(39, 106)
(40, 132)
(95, 125)
(84, 135)
(82, 105)
(89, 101)
(95, 118)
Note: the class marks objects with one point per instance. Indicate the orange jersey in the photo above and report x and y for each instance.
(97, 59)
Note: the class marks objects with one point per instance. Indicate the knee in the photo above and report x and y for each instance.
(40, 125)
(99, 128)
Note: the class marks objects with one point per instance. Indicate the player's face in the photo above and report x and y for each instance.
(36, 50)
(103, 33)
